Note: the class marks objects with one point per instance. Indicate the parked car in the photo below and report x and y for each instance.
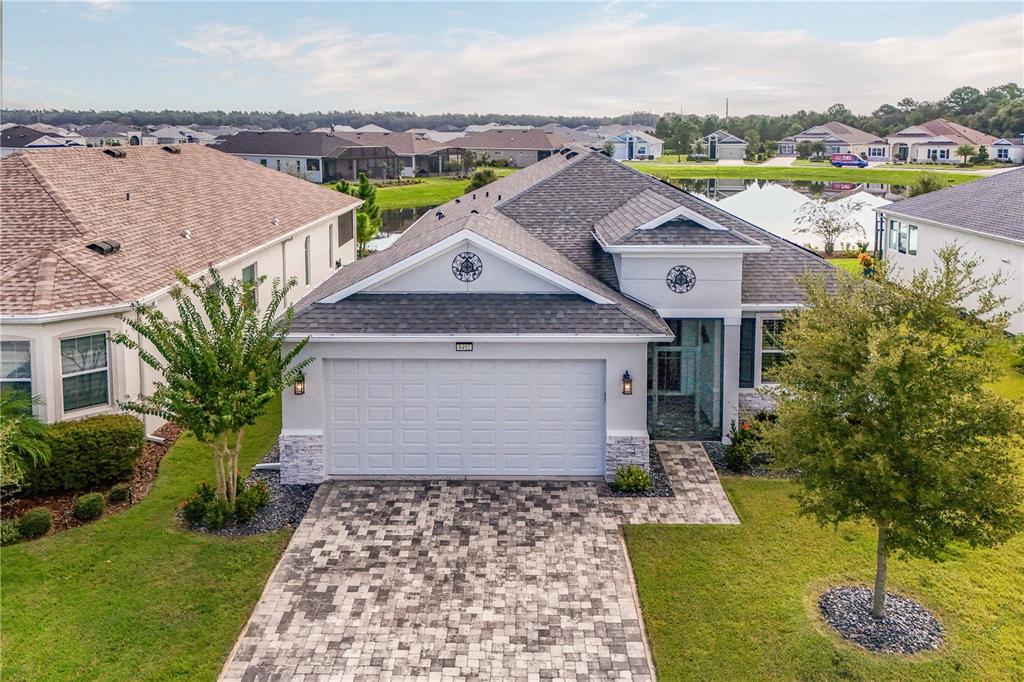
(840, 160)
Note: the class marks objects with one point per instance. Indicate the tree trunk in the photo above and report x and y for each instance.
(882, 552)
(233, 465)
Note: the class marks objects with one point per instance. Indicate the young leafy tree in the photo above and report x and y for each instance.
(483, 176)
(924, 183)
(886, 418)
(965, 152)
(23, 441)
(818, 148)
(803, 149)
(220, 362)
(982, 155)
(609, 148)
(829, 220)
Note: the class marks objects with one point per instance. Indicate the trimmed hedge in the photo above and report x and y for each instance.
(89, 506)
(35, 523)
(88, 453)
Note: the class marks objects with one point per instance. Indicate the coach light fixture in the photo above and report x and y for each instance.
(627, 384)
(300, 385)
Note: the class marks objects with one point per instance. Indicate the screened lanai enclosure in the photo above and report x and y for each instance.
(684, 396)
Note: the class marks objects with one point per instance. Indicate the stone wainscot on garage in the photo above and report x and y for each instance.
(547, 325)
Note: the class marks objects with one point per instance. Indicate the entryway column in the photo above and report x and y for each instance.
(730, 373)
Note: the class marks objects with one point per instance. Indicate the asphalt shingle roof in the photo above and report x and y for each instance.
(19, 136)
(992, 205)
(288, 144)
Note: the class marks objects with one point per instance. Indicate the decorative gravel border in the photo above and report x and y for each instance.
(907, 628)
(660, 484)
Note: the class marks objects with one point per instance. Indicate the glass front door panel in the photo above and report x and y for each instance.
(685, 388)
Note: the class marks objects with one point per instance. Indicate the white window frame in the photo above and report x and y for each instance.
(1002, 153)
(31, 368)
(307, 260)
(876, 152)
(759, 349)
(107, 369)
(255, 276)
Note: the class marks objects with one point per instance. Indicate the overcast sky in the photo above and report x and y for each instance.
(545, 58)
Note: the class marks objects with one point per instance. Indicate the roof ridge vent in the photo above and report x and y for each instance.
(104, 247)
(114, 153)
(171, 149)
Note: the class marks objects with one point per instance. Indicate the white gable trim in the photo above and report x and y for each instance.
(685, 212)
(440, 247)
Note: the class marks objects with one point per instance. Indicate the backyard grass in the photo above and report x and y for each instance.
(133, 596)
(428, 192)
(738, 603)
(817, 173)
(935, 166)
(851, 265)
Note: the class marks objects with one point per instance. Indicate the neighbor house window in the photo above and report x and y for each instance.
(308, 262)
(772, 352)
(907, 239)
(345, 230)
(249, 276)
(16, 365)
(1003, 154)
(263, 162)
(834, 149)
(876, 151)
(330, 245)
(894, 235)
(85, 376)
(278, 162)
(312, 164)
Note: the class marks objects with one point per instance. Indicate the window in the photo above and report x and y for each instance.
(249, 277)
(263, 162)
(912, 241)
(330, 246)
(938, 154)
(345, 229)
(278, 162)
(876, 152)
(312, 164)
(772, 352)
(308, 264)
(906, 241)
(894, 235)
(85, 379)
(16, 365)
(1003, 154)
(834, 149)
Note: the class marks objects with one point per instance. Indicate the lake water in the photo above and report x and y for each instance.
(770, 204)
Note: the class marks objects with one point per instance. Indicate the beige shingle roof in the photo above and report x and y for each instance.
(57, 201)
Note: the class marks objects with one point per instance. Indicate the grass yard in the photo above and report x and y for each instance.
(818, 173)
(738, 603)
(132, 596)
(428, 192)
(939, 166)
(851, 265)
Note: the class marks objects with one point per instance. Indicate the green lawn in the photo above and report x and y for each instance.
(934, 166)
(132, 596)
(738, 603)
(428, 192)
(819, 173)
(851, 265)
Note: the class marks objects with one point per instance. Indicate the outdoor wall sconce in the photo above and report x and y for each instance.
(300, 385)
(627, 384)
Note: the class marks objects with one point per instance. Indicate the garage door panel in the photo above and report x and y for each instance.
(476, 417)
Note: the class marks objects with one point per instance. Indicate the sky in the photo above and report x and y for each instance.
(573, 58)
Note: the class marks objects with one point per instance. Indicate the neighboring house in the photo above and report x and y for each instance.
(317, 157)
(936, 141)
(1008, 150)
(520, 148)
(109, 133)
(572, 134)
(16, 138)
(634, 145)
(176, 135)
(984, 216)
(722, 144)
(219, 131)
(549, 324)
(418, 154)
(838, 138)
(88, 232)
(612, 129)
(334, 128)
(371, 128)
(486, 127)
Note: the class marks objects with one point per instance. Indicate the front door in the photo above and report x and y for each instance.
(685, 382)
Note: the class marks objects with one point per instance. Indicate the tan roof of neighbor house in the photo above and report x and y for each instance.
(533, 138)
(55, 202)
(956, 133)
(849, 133)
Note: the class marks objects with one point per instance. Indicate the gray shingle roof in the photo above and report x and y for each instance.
(992, 205)
(466, 314)
(288, 144)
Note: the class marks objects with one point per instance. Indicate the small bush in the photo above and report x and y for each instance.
(748, 447)
(89, 452)
(632, 479)
(251, 499)
(89, 506)
(194, 509)
(118, 493)
(35, 522)
(218, 514)
(9, 532)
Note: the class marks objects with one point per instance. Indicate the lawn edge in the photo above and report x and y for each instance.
(634, 592)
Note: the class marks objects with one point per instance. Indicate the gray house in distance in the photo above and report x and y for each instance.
(317, 157)
(722, 144)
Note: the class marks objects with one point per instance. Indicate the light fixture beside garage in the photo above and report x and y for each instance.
(627, 384)
(300, 385)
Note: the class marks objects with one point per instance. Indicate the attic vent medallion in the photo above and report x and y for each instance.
(467, 266)
(680, 279)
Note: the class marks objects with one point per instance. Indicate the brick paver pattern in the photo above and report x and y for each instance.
(478, 580)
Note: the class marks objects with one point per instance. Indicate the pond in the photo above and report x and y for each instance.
(770, 204)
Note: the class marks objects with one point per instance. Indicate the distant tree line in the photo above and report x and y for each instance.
(392, 120)
(998, 111)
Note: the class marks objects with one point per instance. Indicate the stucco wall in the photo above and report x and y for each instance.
(519, 158)
(293, 165)
(715, 293)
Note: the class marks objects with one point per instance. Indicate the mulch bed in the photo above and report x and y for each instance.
(660, 485)
(716, 453)
(141, 482)
(907, 628)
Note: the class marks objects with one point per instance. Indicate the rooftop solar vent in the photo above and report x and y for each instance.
(104, 247)
(114, 153)
(571, 155)
(171, 149)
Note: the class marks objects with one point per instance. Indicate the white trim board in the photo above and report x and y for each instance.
(470, 338)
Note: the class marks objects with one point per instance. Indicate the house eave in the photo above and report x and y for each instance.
(988, 235)
(503, 338)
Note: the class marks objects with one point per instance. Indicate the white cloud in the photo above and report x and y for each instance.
(617, 62)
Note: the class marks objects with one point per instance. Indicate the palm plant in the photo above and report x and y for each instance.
(965, 151)
(23, 441)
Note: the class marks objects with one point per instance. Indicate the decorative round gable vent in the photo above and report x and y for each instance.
(467, 266)
(680, 279)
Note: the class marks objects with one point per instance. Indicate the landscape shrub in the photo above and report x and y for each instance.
(89, 452)
(194, 509)
(218, 514)
(249, 500)
(9, 531)
(204, 508)
(35, 523)
(119, 492)
(747, 447)
(632, 479)
(89, 506)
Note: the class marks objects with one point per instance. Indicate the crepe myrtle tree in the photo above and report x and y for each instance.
(886, 417)
(220, 363)
(829, 220)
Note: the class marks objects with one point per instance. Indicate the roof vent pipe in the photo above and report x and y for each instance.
(440, 214)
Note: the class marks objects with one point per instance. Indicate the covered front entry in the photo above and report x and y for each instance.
(684, 395)
(489, 418)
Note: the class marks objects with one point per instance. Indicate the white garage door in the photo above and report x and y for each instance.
(465, 417)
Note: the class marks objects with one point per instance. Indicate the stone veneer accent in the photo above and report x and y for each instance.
(625, 450)
(302, 458)
(752, 402)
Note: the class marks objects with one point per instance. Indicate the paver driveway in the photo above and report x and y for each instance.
(440, 580)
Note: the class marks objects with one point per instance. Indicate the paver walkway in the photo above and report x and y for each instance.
(483, 580)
